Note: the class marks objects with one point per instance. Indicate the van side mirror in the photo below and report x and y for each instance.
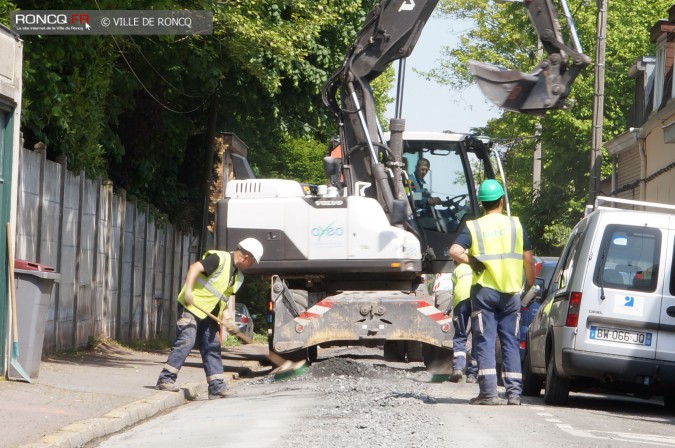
(540, 294)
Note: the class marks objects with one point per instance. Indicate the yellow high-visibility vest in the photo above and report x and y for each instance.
(215, 289)
(497, 241)
(462, 278)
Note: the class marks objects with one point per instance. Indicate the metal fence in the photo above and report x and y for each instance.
(120, 270)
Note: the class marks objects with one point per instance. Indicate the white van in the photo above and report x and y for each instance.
(608, 315)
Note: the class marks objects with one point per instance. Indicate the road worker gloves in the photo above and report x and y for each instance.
(230, 326)
(229, 323)
(476, 265)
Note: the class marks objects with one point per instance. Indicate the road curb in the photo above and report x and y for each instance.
(82, 432)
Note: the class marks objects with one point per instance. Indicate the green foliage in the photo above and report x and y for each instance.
(255, 293)
(300, 158)
(140, 110)
(66, 88)
(381, 86)
(233, 341)
(6, 7)
(502, 35)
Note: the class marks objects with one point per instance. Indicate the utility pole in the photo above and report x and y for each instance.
(536, 163)
(536, 159)
(598, 102)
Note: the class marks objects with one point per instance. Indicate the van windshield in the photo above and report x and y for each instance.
(629, 258)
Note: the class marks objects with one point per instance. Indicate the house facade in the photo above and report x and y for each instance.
(643, 157)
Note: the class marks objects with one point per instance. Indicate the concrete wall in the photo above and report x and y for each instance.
(120, 269)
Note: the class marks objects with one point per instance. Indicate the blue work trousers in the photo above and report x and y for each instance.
(496, 314)
(461, 315)
(204, 332)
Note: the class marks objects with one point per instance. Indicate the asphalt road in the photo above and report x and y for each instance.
(352, 398)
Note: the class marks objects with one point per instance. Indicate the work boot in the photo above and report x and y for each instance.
(167, 386)
(489, 401)
(223, 393)
(471, 379)
(514, 401)
(456, 376)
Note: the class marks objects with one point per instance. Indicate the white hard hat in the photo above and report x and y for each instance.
(252, 246)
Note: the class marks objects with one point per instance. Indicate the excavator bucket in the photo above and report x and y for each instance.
(514, 90)
(548, 84)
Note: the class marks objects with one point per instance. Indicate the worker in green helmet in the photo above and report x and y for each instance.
(498, 250)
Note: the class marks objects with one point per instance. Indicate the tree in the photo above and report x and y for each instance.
(140, 109)
(502, 35)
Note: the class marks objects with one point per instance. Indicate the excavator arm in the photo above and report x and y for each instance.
(390, 32)
(370, 166)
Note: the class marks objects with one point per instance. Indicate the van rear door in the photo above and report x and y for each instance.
(621, 301)
(665, 347)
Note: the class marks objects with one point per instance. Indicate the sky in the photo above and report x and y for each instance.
(429, 106)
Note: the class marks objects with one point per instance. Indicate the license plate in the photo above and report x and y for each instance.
(623, 336)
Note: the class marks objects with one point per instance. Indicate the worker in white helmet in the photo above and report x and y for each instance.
(209, 283)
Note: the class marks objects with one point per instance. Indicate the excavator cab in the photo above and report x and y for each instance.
(440, 191)
(442, 171)
(548, 84)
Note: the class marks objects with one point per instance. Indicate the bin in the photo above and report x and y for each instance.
(34, 283)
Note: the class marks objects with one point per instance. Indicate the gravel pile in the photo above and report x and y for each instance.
(368, 402)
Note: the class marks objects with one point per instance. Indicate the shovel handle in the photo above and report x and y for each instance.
(12, 290)
(273, 357)
(240, 335)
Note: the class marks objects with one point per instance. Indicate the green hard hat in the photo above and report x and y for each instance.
(490, 190)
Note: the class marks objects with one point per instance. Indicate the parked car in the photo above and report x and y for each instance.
(607, 318)
(244, 319)
(543, 269)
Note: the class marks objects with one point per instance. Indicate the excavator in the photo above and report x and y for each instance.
(347, 259)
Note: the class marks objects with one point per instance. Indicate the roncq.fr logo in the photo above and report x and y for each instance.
(51, 19)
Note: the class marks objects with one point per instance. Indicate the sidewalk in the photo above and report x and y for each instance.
(80, 397)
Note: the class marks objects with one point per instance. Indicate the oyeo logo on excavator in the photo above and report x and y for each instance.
(328, 231)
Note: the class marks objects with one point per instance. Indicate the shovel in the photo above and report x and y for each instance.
(283, 365)
(12, 293)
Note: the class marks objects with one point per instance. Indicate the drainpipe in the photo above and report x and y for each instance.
(642, 150)
(613, 187)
